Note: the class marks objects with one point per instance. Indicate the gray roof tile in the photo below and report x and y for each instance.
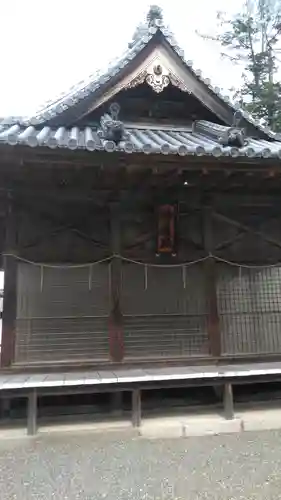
(96, 80)
(200, 140)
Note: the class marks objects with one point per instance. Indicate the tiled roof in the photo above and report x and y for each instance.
(199, 140)
(97, 80)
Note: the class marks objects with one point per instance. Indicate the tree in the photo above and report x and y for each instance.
(251, 38)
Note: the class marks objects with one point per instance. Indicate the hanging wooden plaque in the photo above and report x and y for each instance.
(166, 237)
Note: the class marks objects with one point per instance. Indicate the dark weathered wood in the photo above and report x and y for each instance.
(229, 242)
(116, 341)
(5, 407)
(136, 408)
(264, 220)
(248, 229)
(117, 403)
(45, 159)
(61, 225)
(218, 391)
(115, 230)
(213, 323)
(9, 312)
(10, 291)
(32, 413)
(228, 401)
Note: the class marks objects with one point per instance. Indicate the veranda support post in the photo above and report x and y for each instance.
(213, 324)
(10, 290)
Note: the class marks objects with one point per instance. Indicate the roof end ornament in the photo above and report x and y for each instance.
(154, 16)
(111, 128)
(234, 136)
(154, 20)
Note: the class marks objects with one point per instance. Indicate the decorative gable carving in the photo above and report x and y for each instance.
(138, 80)
(153, 44)
(158, 77)
(177, 82)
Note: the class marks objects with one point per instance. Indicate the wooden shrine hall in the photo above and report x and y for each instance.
(140, 222)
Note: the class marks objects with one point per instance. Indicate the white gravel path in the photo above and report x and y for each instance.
(121, 467)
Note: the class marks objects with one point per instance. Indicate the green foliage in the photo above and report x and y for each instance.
(252, 38)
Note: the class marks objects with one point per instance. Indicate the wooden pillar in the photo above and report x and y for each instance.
(218, 391)
(10, 291)
(32, 413)
(213, 323)
(117, 403)
(5, 407)
(116, 341)
(228, 401)
(136, 408)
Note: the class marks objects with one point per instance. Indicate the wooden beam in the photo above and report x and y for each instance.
(32, 413)
(61, 226)
(226, 243)
(5, 407)
(248, 229)
(136, 408)
(228, 401)
(116, 340)
(117, 403)
(189, 240)
(10, 291)
(20, 157)
(46, 236)
(131, 194)
(213, 323)
(242, 232)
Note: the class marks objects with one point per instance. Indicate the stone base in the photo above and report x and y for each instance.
(177, 426)
(201, 425)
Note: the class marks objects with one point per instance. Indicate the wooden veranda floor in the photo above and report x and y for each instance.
(24, 380)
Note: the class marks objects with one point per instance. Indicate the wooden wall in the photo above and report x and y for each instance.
(207, 309)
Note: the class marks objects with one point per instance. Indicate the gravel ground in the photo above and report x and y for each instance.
(89, 467)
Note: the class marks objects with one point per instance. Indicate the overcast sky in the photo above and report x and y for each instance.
(49, 45)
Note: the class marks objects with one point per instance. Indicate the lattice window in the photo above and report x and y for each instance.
(249, 303)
